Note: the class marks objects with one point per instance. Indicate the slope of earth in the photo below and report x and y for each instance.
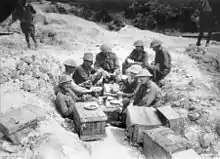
(189, 88)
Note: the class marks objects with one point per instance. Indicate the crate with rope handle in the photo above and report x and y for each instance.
(90, 120)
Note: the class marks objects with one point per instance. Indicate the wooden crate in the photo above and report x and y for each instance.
(90, 124)
(112, 112)
(139, 119)
(170, 118)
(162, 142)
(18, 119)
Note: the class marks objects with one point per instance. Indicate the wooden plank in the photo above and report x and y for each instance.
(163, 141)
(20, 118)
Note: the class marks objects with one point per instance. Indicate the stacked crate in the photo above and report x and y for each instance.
(162, 143)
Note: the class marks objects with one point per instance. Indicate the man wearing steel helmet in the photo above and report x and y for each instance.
(149, 93)
(138, 56)
(162, 62)
(85, 73)
(65, 99)
(107, 61)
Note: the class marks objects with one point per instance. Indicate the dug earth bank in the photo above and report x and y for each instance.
(192, 87)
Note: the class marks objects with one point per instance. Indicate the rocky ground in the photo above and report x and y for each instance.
(28, 76)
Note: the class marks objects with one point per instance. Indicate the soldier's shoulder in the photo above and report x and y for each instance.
(112, 54)
(154, 86)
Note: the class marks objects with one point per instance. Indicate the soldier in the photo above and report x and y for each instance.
(25, 14)
(149, 93)
(70, 67)
(161, 66)
(108, 62)
(65, 99)
(131, 85)
(85, 73)
(138, 56)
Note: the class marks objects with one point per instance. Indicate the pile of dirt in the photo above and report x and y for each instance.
(36, 73)
(100, 16)
(155, 15)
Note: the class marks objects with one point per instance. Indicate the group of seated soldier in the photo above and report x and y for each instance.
(141, 87)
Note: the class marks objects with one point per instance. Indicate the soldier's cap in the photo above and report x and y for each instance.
(139, 43)
(155, 43)
(88, 56)
(70, 62)
(134, 69)
(105, 48)
(144, 73)
(64, 79)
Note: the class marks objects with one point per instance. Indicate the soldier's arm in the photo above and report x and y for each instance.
(77, 89)
(149, 97)
(166, 59)
(145, 60)
(117, 66)
(131, 55)
(62, 105)
(97, 62)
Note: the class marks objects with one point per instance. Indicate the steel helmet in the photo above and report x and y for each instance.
(65, 78)
(155, 43)
(144, 73)
(70, 62)
(88, 56)
(139, 43)
(134, 69)
(105, 48)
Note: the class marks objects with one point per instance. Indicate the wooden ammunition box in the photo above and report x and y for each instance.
(162, 142)
(11, 123)
(112, 112)
(170, 118)
(139, 119)
(90, 124)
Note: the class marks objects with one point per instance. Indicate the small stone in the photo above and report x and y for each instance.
(3, 80)
(27, 59)
(194, 116)
(15, 74)
(206, 140)
(30, 85)
(21, 65)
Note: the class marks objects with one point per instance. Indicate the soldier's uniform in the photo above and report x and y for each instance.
(26, 16)
(148, 94)
(84, 73)
(139, 56)
(65, 101)
(162, 63)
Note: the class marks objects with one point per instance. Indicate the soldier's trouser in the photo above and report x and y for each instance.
(28, 29)
(125, 66)
(158, 74)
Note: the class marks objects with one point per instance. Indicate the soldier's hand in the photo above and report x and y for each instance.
(130, 61)
(119, 93)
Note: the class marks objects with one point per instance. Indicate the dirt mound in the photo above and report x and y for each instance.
(101, 16)
(36, 73)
